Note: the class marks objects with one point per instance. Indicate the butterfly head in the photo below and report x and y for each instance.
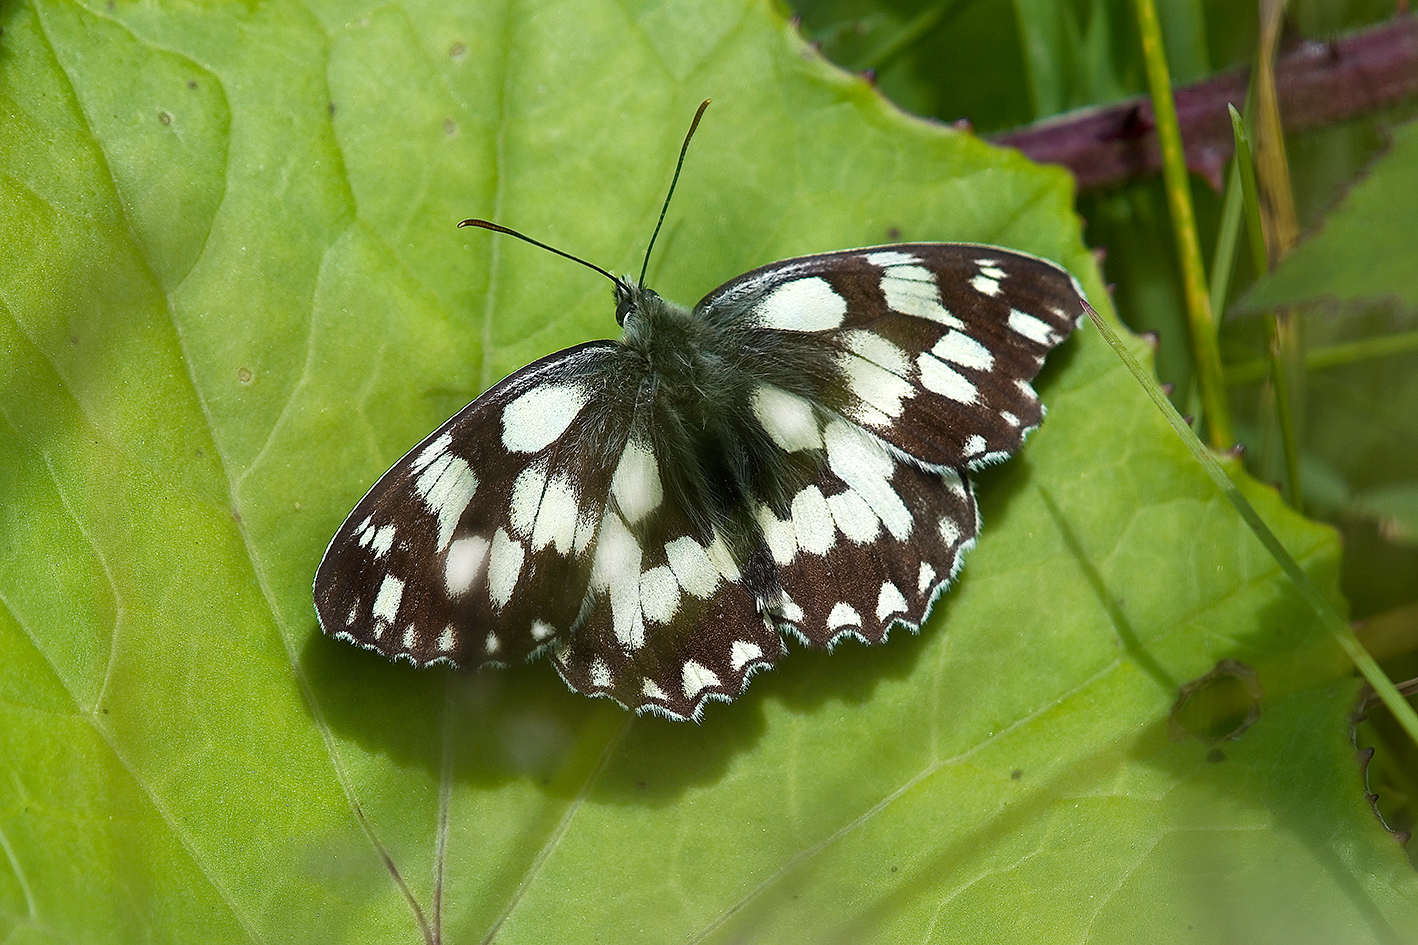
(628, 297)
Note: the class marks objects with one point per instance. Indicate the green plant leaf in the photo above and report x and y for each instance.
(233, 294)
(1362, 254)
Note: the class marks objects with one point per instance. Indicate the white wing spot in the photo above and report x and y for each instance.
(959, 348)
(782, 540)
(874, 386)
(541, 630)
(410, 637)
(616, 569)
(812, 521)
(860, 461)
(854, 517)
(697, 678)
(557, 516)
(949, 531)
(447, 639)
(600, 674)
(527, 491)
(876, 349)
(1036, 330)
(953, 482)
(984, 285)
(659, 594)
(843, 615)
(791, 611)
(447, 486)
(990, 268)
(652, 690)
(636, 483)
(912, 290)
(492, 644)
(807, 304)
(939, 377)
(890, 601)
(722, 560)
(926, 578)
(692, 567)
(503, 567)
(886, 258)
(975, 446)
(386, 602)
(787, 418)
(540, 415)
(742, 653)
(432, 451)
(382, 541)
(463, 564)
(1009, 418)
(585, 530)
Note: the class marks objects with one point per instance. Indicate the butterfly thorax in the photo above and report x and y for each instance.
(696, 383)
(681, 358)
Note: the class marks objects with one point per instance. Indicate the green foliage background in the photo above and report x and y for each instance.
(232, 294)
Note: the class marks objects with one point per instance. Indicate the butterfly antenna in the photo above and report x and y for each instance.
(683, 150)
(499, 228)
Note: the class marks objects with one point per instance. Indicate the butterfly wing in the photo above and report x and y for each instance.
(927, 353)
(933, 344)
(676, 616)
(477, 546)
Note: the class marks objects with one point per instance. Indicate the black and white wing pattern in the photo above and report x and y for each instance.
(789, 459)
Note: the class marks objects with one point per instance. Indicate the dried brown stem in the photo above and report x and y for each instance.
(1319, 83)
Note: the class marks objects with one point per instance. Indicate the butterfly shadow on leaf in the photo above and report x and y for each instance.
(522, 723)
(519, 723)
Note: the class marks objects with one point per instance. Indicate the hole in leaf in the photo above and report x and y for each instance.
(1218, 706)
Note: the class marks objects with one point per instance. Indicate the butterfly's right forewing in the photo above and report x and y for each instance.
(932, 345)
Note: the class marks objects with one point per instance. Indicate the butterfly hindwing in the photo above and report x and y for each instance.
(870, 543)
(675, 614)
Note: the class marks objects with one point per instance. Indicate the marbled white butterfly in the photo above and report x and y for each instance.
(789, 458)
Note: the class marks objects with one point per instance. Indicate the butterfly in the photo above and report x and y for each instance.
(790, 458)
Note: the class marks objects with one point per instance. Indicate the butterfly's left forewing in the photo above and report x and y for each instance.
(477, 546)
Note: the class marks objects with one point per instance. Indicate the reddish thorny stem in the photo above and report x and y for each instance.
(1319, 83)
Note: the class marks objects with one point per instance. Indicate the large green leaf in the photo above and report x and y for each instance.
(233, 294)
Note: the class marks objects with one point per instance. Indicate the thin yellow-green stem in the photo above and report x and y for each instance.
(1282, 378)
(1338, 628)
(1174, 174)
(1224, 259)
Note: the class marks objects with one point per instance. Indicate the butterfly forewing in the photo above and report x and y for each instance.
(477, 546)
(791, 457)
(933, 344)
